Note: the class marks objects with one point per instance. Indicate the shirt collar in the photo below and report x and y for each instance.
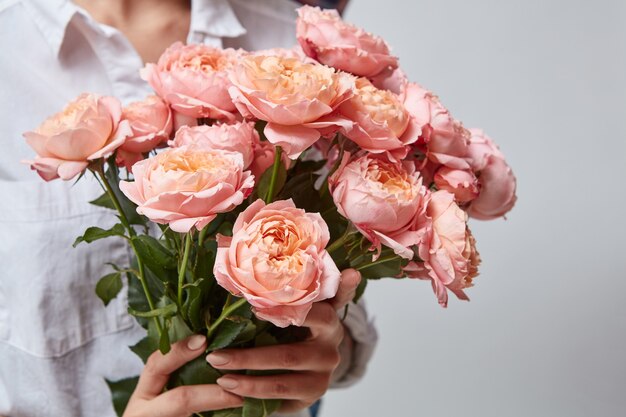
(209, 17)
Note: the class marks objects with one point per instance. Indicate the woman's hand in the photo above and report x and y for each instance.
(311, 362)
(148, 399)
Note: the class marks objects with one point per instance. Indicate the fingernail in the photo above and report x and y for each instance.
(195, 342)
(227, 382)
(218, 358)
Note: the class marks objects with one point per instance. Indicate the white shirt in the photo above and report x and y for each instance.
(58, 342)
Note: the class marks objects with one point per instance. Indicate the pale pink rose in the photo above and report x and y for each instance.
(88, 128)
(460, 182)
(297, 99)
(187, 187)
(277, 261)
(444, 140)
(381, 122)
(498, 184)
(151, 123)
(331, 41)
(382, 199)
(264, 154)
(193, 80)
(237, 137)
(447, 248)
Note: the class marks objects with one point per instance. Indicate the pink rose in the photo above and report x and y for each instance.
(381, 122)
(193, 80)
(447, 248)
(382, 199)
(264, 154)
(462, 183)
(497, 182)
(328, 39)
(87, 129)
(297, 99)
(151, 123)
(237, 137)
(393, 80)
(277, 261)
(444, 140)
(187, 186)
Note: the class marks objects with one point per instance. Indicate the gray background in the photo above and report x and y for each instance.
(545, 332)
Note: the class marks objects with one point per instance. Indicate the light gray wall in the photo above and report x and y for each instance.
(545, 332)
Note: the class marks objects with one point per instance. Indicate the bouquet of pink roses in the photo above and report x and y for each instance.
(267, 173)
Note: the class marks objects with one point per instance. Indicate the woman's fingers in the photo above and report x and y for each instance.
(189, 399)
(324, 323)
(306, 356)
(350, 280)
(304, 386)
(159, 366)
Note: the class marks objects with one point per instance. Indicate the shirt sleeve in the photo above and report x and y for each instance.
(356, 356)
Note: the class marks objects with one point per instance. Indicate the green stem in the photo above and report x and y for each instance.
(339, 242)
(225, 313)
(377, 262)
(183, 268)
(277, 161)
(131, 233)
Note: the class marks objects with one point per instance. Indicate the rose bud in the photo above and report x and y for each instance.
(496, 179)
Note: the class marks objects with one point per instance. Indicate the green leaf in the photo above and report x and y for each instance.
(253, 407)
(145, 347)
(360, 289)
(385, 266)
(165, 312)
(129, 208)
(108, 287)
(227, 332)
(194, 303)
(263, 183)
(104, 201)
(121, 391)
(231, 412)
(195, 372)
(96, 233)
(179, 329)
(164, 341)
(156, 257)
(247, 334)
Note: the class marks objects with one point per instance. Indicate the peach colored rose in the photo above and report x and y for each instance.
(237, 137)
(151, 123)
(444, 140)
(186, 187)
(498, 184)
(447, 248)
(382, 199)
(277, 260)
(393, 80)
(462, 183)
(87, 129)
(297, 99)
(381, 122)
(193, 80)
(328, 39)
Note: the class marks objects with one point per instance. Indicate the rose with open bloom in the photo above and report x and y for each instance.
(186, 187)
(151, 124)
(447, 248)
(297, 99)
(88, 128)
(193, 80)
(444, 140)
(498, 184)
(331, 41)
(276, 259)
(382, 199)
(381, 122)
(460, 182)
(237, 137)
